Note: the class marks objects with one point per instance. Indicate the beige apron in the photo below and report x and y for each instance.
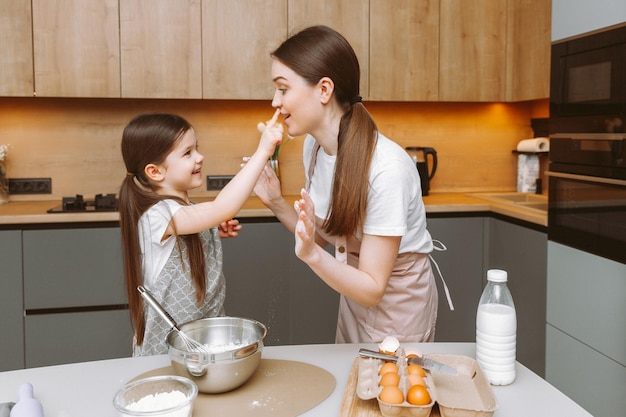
(408, 309)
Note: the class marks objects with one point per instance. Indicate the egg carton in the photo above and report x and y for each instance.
(367, 388)
(467, 394)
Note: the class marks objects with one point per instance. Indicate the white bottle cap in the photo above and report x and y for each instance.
(496, 275)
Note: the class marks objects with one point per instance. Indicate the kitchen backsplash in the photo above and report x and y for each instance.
(76, 142)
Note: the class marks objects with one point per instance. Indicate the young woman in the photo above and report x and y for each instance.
(363, 195)
(172, 246)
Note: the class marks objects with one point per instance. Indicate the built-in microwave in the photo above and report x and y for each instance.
(587, 193)
(588, 83)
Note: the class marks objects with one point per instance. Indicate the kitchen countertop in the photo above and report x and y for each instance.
(35, 212)
(81, 389)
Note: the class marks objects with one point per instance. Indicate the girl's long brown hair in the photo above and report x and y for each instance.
(148, 139)
(318, 52)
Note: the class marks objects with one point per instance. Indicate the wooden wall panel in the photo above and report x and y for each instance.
(76, 142)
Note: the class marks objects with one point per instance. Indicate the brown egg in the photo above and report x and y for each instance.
(390, 378)
(415, 369)
(388, 367)
(391, 395)
(418, 395)
(415, 379)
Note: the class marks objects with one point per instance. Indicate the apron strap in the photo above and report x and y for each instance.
(445, 286)
(309, 177)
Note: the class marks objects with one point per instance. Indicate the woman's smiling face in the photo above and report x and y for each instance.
(298, 101)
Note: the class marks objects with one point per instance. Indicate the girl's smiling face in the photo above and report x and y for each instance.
(182, 168)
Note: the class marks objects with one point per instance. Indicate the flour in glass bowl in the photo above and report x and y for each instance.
(162, 401)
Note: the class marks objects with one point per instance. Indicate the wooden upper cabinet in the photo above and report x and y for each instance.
(16, 59)
(528, 50)
(404, 53)
(348, 17)
(76, 48)
(408, 50)
(237, 38)
(161, 49)
(472, 61)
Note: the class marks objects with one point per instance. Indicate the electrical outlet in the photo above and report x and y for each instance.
(217, 182)
(30, 185)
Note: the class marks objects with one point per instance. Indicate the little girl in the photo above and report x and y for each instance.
(171, 246)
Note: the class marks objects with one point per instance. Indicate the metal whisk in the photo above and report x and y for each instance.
(191, 344)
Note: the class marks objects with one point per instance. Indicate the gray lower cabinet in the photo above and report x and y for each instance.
(59, 338)
(461, 265)
(313, 304)
(256, 267)
(74, 296)
(586, 331)
(476, 244)
(522, 252)
(11, 319)
(265, 281)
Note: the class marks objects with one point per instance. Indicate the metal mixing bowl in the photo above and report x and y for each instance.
(237, 343)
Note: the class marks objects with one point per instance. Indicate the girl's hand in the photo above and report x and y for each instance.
(272, 135)
(229, 228)
(305, 227)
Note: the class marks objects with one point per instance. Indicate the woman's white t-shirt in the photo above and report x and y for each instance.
(394, 206)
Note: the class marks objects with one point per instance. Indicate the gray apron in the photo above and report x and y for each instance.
(176, 293)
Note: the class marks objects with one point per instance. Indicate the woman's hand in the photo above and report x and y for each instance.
(267, 186)
(305, 227)
(229, 228)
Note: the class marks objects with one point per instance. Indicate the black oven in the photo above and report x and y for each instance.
(587, 193)
(588, 83)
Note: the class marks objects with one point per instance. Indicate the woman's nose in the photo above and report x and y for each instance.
(276, 101)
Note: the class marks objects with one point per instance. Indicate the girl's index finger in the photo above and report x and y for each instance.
(274, 119)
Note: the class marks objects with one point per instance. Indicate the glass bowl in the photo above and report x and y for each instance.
(158, 396)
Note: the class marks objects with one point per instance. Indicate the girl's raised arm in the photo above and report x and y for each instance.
(202, 216)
